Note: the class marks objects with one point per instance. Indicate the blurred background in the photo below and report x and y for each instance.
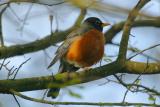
(26, 22)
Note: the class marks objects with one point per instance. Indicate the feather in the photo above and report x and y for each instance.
(63, 48)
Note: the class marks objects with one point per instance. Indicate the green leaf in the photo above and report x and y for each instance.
(73, 94)
(151, 98)
(129, 87)
(138, 81)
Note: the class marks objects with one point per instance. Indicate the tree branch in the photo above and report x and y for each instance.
(67, 79)
(151, 47)
(37, 45)
(116, 28)
(16, 50)
(127, 29)
(140, 68)
(61, 80)
(1, 13)
(81, 103)
(129, 85)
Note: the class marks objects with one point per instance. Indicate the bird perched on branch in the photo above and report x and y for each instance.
(82, 48)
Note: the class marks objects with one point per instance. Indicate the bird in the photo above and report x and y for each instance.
(82, 48)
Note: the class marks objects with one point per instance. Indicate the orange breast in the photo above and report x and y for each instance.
(86, 50)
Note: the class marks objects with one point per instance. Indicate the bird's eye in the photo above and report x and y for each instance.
(97, 22)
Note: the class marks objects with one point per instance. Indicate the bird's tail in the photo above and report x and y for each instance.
(64, 67)
(53, 92)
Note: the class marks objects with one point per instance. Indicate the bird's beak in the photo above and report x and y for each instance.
(105, 24)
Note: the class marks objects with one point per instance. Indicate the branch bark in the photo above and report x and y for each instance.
(116, 28)
(16, 50)
(127, 29)
(82, 103)
(6, 52)
(67, 79)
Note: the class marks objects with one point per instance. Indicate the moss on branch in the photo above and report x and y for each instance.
(67, 79)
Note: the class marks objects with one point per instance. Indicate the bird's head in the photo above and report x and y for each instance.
(96, 23)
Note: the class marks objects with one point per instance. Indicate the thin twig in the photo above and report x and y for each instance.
(125, 95)
(128, 86)
(16, 100)
(151, 47)
(34, 1)
(2, 63)
(20, 67)
(50, 4)
(1, 34)
(10, 72)
(135, 50)
(81, 103)
(45, 92)
(25, 19)
(129, 89)
(14, 13)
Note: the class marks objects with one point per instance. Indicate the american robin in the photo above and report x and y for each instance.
(82, 48)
